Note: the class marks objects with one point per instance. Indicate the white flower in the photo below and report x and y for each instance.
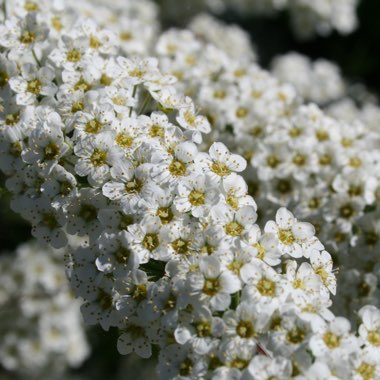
(220, 163)
(369, 330)
(134, 339)
(213, 285)
(33, 84)
(263, 367)
(129, 185)
(188, 119)
(201, 332)
(170, 168)
(235, 190)
(246, 323)
(295, 238)
(322, 265)
(235, 224)
(264, 284)
(333, 338)
(145, 238)
(96, 155)
(46, 144)
(266, 245)
(138, 71)
(196, 195)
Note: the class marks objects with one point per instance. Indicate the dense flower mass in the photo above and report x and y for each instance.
(100, 139)
(41, 326)
(299, 157)
(308, 18)
(319, 81)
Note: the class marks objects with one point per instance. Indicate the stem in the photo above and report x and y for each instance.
(35, 57)
(133, 95)
(4, 6)
(146, 102)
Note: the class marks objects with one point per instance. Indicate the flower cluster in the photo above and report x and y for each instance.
(100, 144)
(319, 81)
(300, 158)
(41, 326)
(307, 18)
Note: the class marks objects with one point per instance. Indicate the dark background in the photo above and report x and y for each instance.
(357, 54)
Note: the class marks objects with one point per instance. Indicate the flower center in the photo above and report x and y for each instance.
(151, 242)
(186, 367)
(299, 160)
(27, 37)
(220, 169)
(12, 118)
(65, 188)
(322, 135)
(29, 6)
(286, 237)
(139, 292)
(73, 55)
(298, 284)
(234, 229)
(211, 286)
(197, 198)
(272, 161)
(366, 371)
(49, 220)
(51, 151)
(266, 287)
(134, 186)
(219, 94)
(189, 117)
(322, 273)
(77, 106)
(295, 335)
(235, 266)
(82, 85)
(98, 157)
(325, 159)
(88, 213)
(105, 80)
(156, 131)
(34, 86)
(124, 140)
(203, 329)
(177, 168)
(165, 214)
(232, 201)
(239, 363)
(260, 251)
(180, 246)
(374, 338)
(125, 36)
(245, 329)
(346, 211)
(331, 340)
(93, 126)
(122, 255)
(94, 42)
(241, 112)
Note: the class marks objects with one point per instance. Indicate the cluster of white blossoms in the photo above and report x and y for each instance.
(308, 18)
(100, 144)
(317, 81)
(41, 326)
(300, 158)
